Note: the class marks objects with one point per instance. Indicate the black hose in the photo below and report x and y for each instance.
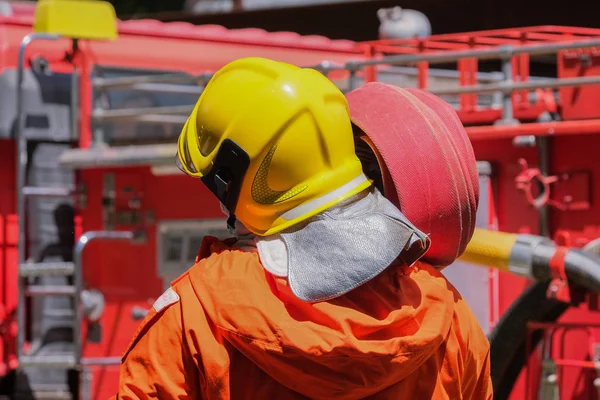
(508, 339)
(583, 269)
(581, 266)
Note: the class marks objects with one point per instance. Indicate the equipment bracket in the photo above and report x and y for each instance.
(571, 190)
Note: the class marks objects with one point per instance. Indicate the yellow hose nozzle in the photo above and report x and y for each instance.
(490, 248)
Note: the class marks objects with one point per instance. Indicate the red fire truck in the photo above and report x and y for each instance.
(96, 220)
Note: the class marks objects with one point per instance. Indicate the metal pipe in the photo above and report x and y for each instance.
(158, 154)
(85, 384)
(161, 78)
(156, 118)
(507, 103)
(482, 54)
(442, 73)
(557, 128)
(166, 88)
(127, 81)
(135, 113)
(103, 103)
(82, 243)
(21, 171)
(100, 361)
(48, 191)
(549, 83)
(75, 94)
(327, 66)
(352, 80)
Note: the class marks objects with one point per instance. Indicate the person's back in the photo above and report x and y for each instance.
(236, 332)
(333, 304)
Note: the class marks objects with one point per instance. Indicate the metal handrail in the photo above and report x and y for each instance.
(126, 81)
(80, 362)
(158, 83)
(513, 87)
(162, 88)
(82, 243)
(500, 52)
(134, 113)
(494, 76)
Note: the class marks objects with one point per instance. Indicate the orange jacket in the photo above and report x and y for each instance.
(229, 330)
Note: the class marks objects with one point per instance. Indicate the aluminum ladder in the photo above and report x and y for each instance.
(26, 269)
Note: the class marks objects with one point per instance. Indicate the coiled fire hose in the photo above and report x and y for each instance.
(537, 258)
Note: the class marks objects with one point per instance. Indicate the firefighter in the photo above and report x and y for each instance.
(322, 293)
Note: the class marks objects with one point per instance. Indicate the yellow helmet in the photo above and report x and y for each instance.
(273, 142)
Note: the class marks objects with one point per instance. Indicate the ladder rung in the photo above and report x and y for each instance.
(47, 191)
(39, 394)
(49, 290)
(58, 313)
(58, 360)
(47, 268)
(98, 361)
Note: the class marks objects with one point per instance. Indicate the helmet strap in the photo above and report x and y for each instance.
(227, 174)
(231, 223)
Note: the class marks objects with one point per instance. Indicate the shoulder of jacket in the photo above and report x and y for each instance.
(161, 306)
(169, 297)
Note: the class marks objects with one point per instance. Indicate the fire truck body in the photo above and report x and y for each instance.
(114, 151)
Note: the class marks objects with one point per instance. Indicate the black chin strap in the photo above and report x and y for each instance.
(226, 177)
(231, 224)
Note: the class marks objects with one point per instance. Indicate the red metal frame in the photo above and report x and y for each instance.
(83, 62)
(8, 258)
(493, 274)
(549, 331)
(482, 39)
(468, 68)
(551, 129)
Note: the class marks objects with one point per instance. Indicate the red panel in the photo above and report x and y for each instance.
(8, 252)
(573, 153)
(206, 48)
(579, 102)
(23, 15)
(578, 153)
(514, 214)
(127, 273)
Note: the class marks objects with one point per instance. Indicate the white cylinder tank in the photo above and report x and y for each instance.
(399, 23)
